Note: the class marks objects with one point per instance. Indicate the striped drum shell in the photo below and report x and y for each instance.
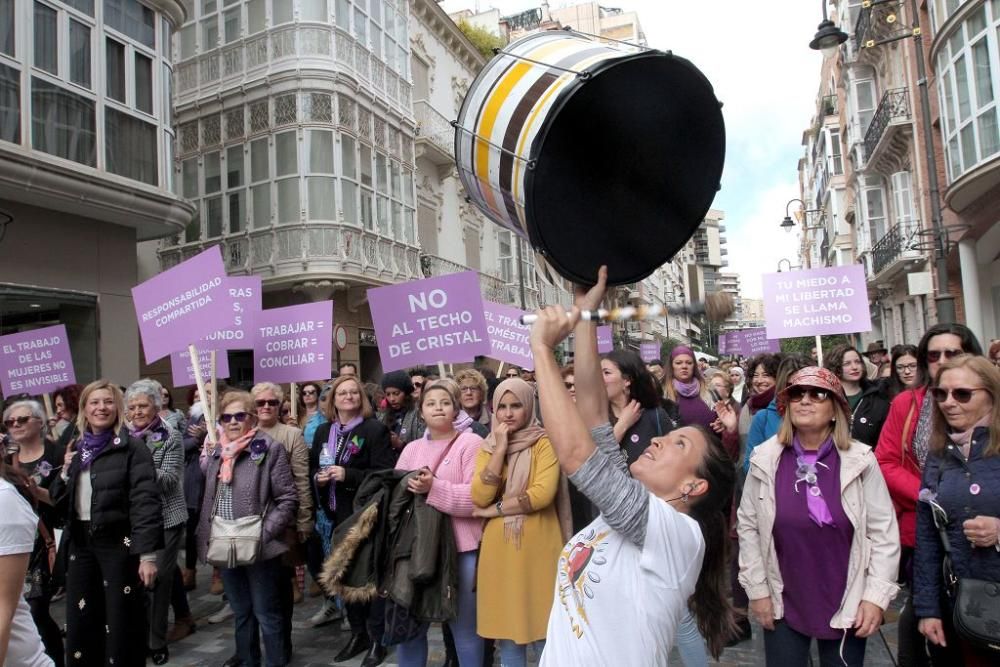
(597, 153)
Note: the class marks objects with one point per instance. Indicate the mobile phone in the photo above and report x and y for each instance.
(715, 395)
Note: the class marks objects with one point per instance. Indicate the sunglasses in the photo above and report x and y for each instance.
(239, 417)
(961, 395)
(569, 385)
(935, 355)
(418, 385)
(20, 421)
(797, 393)
(308, 392)
(269, 402)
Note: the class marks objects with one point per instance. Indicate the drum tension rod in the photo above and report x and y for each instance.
(530, 163)
(583, 75)
(610, 39)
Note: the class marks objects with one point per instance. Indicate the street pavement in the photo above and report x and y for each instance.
(211, 645)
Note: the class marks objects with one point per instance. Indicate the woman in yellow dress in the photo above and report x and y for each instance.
(516, 486)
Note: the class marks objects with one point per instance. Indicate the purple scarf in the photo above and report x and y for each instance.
(688, 389)
(339, 431)
(151, 426)
(807, 473)
(91, 445)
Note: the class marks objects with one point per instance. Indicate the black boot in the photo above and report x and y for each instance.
(375, 656)
(358, 643)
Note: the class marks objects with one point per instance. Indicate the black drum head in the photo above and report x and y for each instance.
(626, 169)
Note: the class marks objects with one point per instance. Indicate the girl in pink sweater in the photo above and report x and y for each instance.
(445, 458)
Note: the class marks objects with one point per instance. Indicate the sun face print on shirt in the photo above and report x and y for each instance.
(578, 574)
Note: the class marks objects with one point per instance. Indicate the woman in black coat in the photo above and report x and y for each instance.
(868, 399)
(108, 496)
(344, 451)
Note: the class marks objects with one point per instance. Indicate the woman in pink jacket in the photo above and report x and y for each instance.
(445, 459)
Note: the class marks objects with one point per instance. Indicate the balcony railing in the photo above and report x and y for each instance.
(319, 247)
(436, 130)
(890, 247)
(493, 287)
(879, 22)
(895, 105)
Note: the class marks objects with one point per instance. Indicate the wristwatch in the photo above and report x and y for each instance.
(500, 507)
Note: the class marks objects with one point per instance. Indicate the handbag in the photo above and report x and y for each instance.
(234, 542)
(976, 602)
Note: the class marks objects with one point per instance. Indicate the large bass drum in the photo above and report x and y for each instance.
(597, 152)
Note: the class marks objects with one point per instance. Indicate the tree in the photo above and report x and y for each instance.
(484, 40)
(805, 344)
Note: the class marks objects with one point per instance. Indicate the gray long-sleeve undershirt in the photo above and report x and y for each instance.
(603, 478)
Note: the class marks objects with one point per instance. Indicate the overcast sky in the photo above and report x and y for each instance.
(757, 57)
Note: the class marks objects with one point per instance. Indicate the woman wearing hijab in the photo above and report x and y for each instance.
(816, 497)
(516, 487)
(248, 474)
(143, 401)
(738, 378)
(962, 479)
(107, 494)
(902, 452)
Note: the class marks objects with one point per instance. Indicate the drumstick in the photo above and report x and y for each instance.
(716, 307)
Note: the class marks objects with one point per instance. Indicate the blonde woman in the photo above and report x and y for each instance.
(819, 546)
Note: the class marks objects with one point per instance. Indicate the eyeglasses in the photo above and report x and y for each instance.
(797, 393)
(906, 368)
(20, 421)
(308, 392)
(960, 394)
(469, 389)
(935, 355)
(227, 417)
(285, 413)
(269, 402)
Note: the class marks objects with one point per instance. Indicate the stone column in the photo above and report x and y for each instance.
(970, 286)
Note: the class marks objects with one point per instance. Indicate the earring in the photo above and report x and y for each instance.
(684, 498)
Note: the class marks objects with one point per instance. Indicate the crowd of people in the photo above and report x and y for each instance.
(599, 513)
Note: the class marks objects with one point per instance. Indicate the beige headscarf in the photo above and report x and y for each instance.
(519, 444)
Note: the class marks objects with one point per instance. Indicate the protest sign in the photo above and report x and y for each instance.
(36, 362)
(605, 342)
(244, 293)
(723, 344)
(508, 337)
(182, 370)
(649, 351)
(748, 342)
(816, 302)
(293, 344)
(182, 305)
(430, 320)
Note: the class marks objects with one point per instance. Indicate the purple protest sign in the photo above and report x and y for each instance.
(244, 293)
(605, 342)
(182, 305)
(35, 362)
(816, 302)
(431, 320)
(724, 344)
(649, 352)
(182, 370)
(755, 341)
(293, 344)
(508, 337)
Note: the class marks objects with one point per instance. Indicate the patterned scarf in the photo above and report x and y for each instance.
(92, 444)
(334, 447)
(230, 450)
(808, 473)
(922, 436)
(140, 434)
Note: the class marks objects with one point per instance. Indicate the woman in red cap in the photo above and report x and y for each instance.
(816, 498)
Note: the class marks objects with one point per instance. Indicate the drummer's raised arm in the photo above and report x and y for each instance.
(591, 395)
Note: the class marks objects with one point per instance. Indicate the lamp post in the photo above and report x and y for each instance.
(944, 300)
(828, 37)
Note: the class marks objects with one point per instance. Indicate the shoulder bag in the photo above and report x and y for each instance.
(234, 542)
(976, 602)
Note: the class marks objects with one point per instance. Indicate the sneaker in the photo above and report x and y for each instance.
(222, 615)
(328, 613)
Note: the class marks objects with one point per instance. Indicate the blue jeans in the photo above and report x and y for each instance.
(789, 648)
(690, 644)
(468, 644)
(253, 592)
(516, 655)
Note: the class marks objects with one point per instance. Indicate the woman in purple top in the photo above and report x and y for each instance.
(819, 546)
(685, 386)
